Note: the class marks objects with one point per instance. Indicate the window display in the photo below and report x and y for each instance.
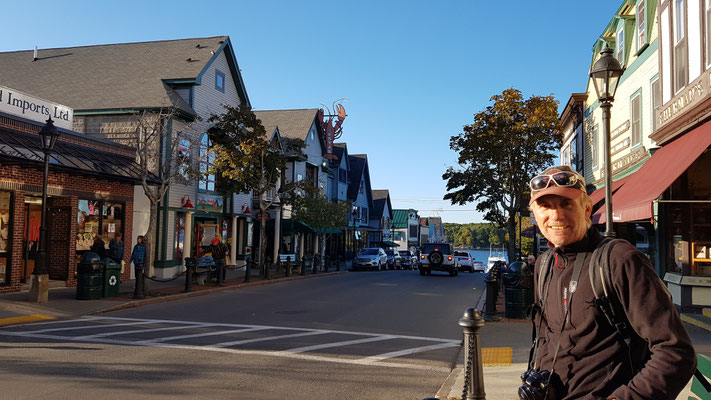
(179, 235)
(97, 217)
(4, 235)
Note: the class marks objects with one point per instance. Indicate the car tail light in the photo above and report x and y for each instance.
(469, 258)
(422, 257)
(449, 258)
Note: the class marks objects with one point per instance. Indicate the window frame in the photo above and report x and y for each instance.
(594, 147)
(707, 36)
(206, 183)
(636, 134)
(620, 45)
(641, 34)
(680, 45)
(655, 105)
(219, 74)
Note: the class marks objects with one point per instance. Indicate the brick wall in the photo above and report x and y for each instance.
(62, 217)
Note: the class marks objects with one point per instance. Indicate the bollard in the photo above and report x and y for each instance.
(247, 270)
(287, 272)
(188, 275)
(138, 291)
(471, 322)
(303, 265)
(325, 264)
(338, 263)
(314, 264)
(492, 294)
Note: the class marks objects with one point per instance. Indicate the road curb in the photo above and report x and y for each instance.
(184, 295)
(693, 321)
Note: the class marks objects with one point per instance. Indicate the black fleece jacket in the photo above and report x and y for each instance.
(593, 361)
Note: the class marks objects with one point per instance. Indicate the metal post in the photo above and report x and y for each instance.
(188, 275)
(492, 294)
(303, 265)
(605, 105)
(471, 322)
(287, 267)
(325, 264)
(138, 290)
(267, 266)
(247, 270)
(314, 264)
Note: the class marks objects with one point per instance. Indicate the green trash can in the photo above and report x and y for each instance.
(111, 277)
(89, 277)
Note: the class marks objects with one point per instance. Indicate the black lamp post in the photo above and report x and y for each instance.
(39, 289)
(354, 213)
(606, 75)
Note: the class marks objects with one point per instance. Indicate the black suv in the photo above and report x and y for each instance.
(437, 257)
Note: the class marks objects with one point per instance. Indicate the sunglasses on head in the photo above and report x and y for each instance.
(560, 178)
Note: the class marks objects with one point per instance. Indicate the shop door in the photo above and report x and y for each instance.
(30, 242)
(58, 230)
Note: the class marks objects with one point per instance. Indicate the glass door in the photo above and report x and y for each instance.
(30, 242)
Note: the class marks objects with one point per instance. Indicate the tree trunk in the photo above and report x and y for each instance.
(511, 230)
(150, 239)
(262, 242)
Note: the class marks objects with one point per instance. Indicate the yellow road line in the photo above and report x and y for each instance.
(491, 356)
(695, 322)
(23, 319)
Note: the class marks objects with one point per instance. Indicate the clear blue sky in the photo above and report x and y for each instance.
(414, 71)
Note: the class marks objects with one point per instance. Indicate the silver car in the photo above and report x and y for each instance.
(371, 258)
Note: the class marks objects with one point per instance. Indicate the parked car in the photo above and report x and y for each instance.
(409, 259)
(437, 257)
(371, 258)
(478, 266)
(394, 259)
(464, 261)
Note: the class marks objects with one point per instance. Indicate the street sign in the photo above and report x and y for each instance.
(259, 216)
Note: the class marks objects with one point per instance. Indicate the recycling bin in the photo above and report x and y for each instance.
(111, 277)
(518, 292)
(89, 277)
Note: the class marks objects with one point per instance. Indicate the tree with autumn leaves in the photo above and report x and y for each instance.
(505, 146)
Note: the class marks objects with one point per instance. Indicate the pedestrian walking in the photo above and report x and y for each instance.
(577, 352)
(138, 258)
(116, 248)
(219, 255)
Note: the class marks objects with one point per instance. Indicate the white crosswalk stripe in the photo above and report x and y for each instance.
(111, 330)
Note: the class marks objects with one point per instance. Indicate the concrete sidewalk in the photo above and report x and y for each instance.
(501, 382)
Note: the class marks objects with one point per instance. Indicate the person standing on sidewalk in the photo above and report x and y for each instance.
(138, 258)
(586, 357)
(219, 255)
(116, 248)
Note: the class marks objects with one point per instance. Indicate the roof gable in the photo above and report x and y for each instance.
(359, 171)
(136, 75)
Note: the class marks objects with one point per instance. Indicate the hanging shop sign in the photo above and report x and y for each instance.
(35, 109)
(209, 203)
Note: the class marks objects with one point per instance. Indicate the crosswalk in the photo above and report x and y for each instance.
(346, 347)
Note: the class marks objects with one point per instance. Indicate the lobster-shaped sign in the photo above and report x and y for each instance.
(331, 125)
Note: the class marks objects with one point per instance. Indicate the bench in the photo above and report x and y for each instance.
(202, 268)
(704, 366)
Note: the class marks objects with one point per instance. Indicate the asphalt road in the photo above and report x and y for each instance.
(359, 335)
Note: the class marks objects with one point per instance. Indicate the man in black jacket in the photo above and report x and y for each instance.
(587, 357)
(219, 255)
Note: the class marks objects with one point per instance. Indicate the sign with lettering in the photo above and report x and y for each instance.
(35, 109)
(620, 130)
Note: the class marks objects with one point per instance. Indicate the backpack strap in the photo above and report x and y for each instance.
(537, 307)
(605, 296)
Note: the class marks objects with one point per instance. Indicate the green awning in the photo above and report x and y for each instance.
(388, 243)
(332, 231)
(289, 226)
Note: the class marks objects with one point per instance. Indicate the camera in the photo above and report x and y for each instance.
(535, 385)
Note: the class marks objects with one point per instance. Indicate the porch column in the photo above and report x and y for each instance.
(233, 242)
(301, 245)
(277, 234)
(187, 236)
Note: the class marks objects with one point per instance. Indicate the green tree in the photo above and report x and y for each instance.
(321, 215)
(506, 145)
(248, 159)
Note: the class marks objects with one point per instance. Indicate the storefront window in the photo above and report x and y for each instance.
(179, 235)
(97, 217)
(5, 241)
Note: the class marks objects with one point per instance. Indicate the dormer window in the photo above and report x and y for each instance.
(641, 25)
(620, 52)
(220, 81)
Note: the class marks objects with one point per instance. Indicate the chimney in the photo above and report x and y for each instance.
(35, 56)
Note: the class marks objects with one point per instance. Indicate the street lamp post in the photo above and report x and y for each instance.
(39, 288)
(354, 213)
(606, 75)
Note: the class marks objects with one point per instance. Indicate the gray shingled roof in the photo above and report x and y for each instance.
(380, 198)
(132, 73)
(293, 124)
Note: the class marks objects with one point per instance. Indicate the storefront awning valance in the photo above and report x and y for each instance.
(599, 194)
(633, 201)
(289, 226)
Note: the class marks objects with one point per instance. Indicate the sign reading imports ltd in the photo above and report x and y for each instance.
(35, 109)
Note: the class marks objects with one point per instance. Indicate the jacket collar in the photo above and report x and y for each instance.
(586, 244)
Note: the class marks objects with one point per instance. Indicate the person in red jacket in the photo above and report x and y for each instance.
(586, 357)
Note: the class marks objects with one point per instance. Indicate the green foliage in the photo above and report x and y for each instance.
(474, 235)
(320, 214)
(506, 145)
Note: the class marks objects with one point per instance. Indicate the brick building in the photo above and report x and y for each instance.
(90, 192)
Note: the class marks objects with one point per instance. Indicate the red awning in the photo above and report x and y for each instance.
(599, 194)
(633, 201)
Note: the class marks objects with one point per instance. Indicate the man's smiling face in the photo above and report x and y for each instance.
(562, 221)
